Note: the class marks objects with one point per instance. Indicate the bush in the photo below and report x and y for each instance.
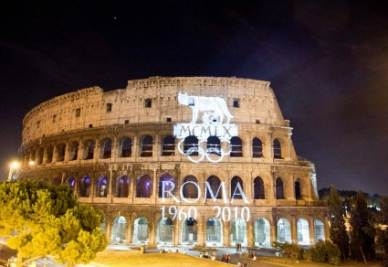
(291, 251)
(325, 251)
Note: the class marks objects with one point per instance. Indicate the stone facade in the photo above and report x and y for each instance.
(114, 148)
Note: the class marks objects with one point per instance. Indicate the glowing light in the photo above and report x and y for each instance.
(14, 166)
(31, 163)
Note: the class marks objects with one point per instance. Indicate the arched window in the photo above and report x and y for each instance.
(297, 189)
(167, 184)
(257, 148)
(213, 145)
(236, 188)
(125, 147)
(236, 149)
(106, 148)
(319, 230)
(262, 233)
(146, 146)
(283, 231)
(165, 231)
(122, 184)
(190, 187)
(140, 231)
(71, 182)
(61, 148)
(303, 232)
(49, 154)
(89, 149)
(190, 145)
(73, 151)
(144, 186)
(277, 149)
(215, 188)
(102, 186)
(189, 231)
(119, 229)
(168, 146)
(213, 232)
(239, 232)
(258, 186)
(84, 186)
(279, 188)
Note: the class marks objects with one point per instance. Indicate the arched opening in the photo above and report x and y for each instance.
(122, 184)
(89, 149)
(167, 186)
(125, 147)
(189, 231)
(144, 186)
(213, 145)
(49, 154)
(39, 156)
(258, 187)
(277, 149)
(215, 189)
(189, 187)
(165, 231)
(236, 149)
(102, 186)
(262, 233)
(303, 232)
(119, 229)
(190, 145)
(283, 230)
(279, 188)
(57, 180)
(146, 146)
(319, 230)
(236, 188)
(168, 146)
(140, 231)
(297, 190)
(84, 186)
(73, 151)
(106, 148)
(213, 232)
(239, 232)
(257, 148)
(71, 182)
(61, 148)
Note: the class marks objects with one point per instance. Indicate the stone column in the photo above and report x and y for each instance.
(177, 230)
(45, 156)
(311, 230)
(55, 156)
(226, 234)
(251, 241)
(294, 234)
(80, 152)
(273, 227)
(115, 148)
(201, 230)
(97, 150)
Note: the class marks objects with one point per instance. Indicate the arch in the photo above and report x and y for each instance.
(122, 184)
(214, 232)
(165, 231)
(190, 190)
(239, 232)
(213, 145)
(49, 154)
(84, 186)
(258, 187)
(89, 146)
(190, 145)
(144, 186)
(140, 230)
(146, 146)
(102, 186)
(39, 156)
(298, 190)
(283, 231)
(168, 146)
(125, 147)
(119, 230)
(189, 231)
(61, 149)
(319, 230)
(57, 180)
(71, 182)
(257, 148)
(303, 232)
(167, 183)
(236, 149)
(262, 233)
(279, 188)
(73, 151)
(236, 188)
(106, 148)
(215, 185)
(277, 149)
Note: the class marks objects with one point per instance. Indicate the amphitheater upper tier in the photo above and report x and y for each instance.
(152, 100)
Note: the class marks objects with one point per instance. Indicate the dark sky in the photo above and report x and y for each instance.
(327, 62)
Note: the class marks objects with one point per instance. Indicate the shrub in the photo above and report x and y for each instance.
(291, 251)
(325, 251)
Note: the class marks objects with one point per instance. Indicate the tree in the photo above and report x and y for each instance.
(40, 219)
(362, 229)
(382, 232)
(338, 233)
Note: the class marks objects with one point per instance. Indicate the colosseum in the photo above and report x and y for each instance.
(179, 161)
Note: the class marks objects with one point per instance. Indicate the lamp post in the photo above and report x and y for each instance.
(13, 167)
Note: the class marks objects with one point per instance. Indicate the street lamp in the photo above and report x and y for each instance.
(13, 167)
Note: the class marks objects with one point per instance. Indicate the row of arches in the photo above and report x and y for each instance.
(214, 231)
(169, 186)
(123, 148)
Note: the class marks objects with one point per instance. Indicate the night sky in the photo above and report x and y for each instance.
(327, 62)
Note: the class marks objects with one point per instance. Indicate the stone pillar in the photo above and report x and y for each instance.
(135, 146)
(45, 155)
(80, 152)
(294, 234)
(273, 227)
(67, 152)
(108, 229)
(251, 240)
(155, 187)
(115, 148)
(97, 150)
(55, 156)
(201, 230)
(152, 232)
(311, 230)
(226, 234)
(177, 230)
